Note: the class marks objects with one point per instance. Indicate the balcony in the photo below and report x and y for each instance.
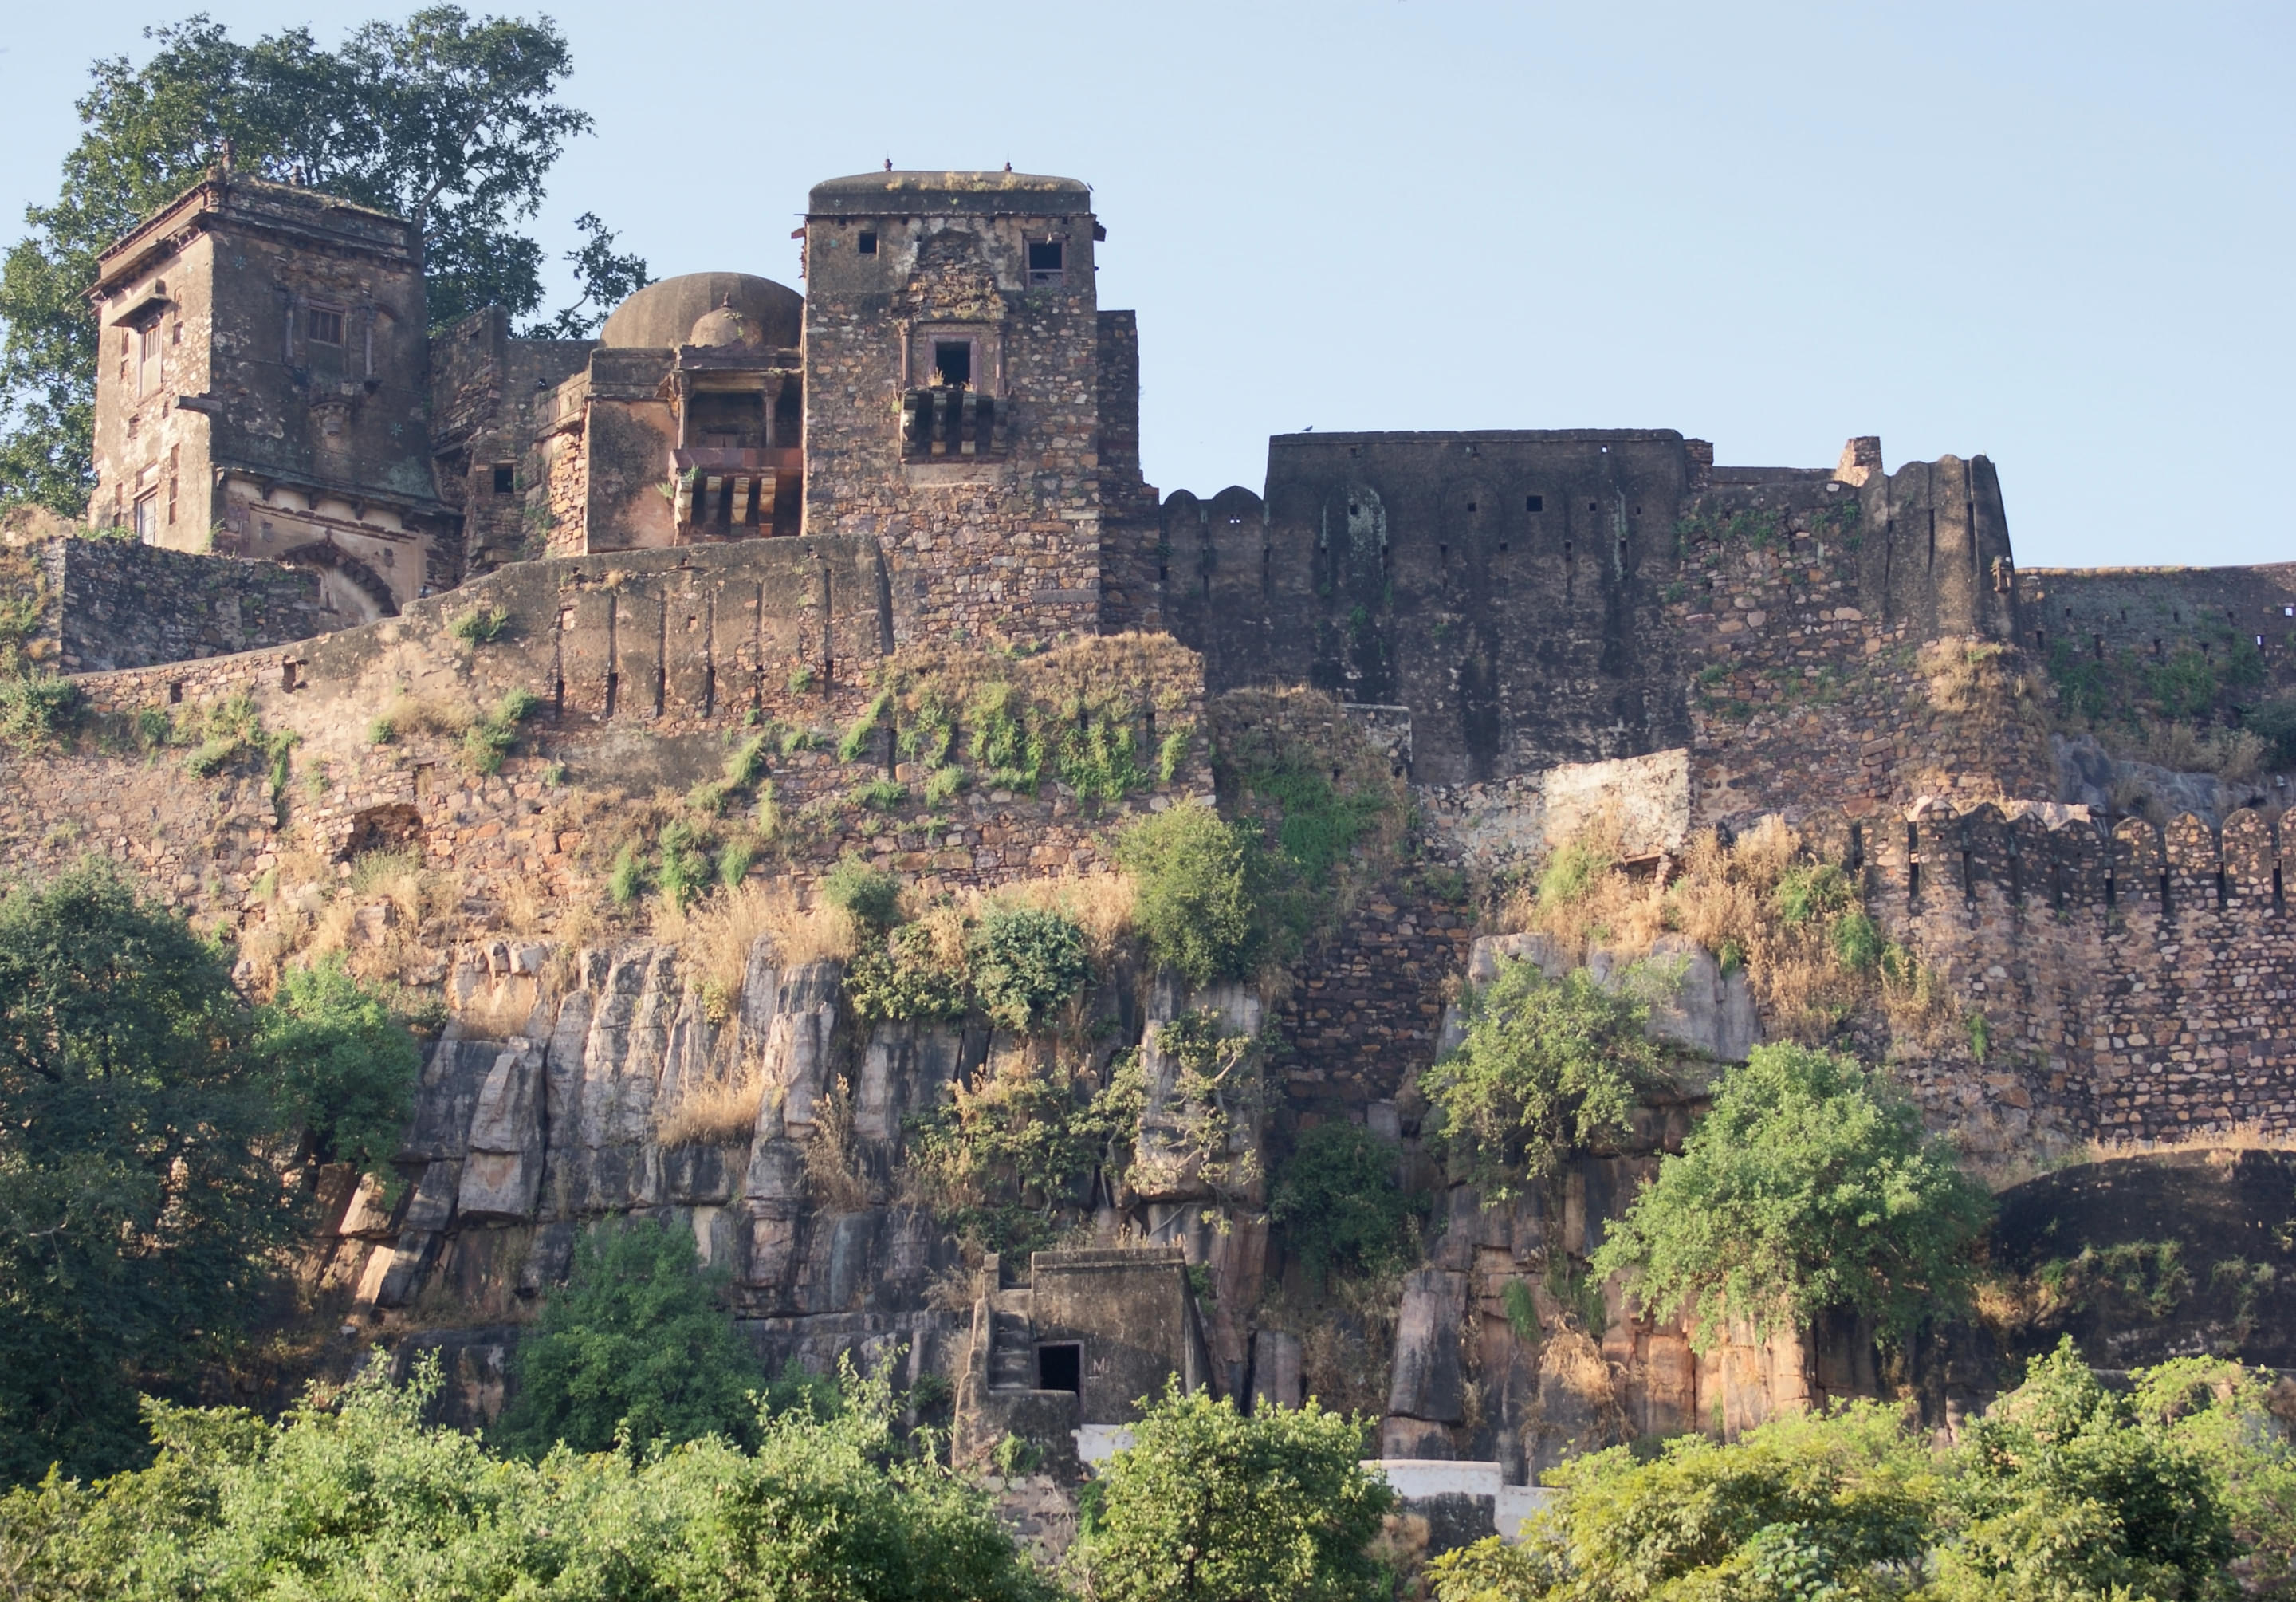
(951, 425)
(729, 494)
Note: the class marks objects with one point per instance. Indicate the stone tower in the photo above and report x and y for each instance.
(261, 389)
(954, 395)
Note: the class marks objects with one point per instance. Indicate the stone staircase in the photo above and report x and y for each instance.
(1011, 1347)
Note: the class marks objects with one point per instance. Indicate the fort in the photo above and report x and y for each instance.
(740, 509)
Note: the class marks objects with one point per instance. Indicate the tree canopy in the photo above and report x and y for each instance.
(1809, 1186)
(356, 1497)
(633, 1346)
(1547, 1066)
(148, 1114)
(1208, 1505)
(449, 121)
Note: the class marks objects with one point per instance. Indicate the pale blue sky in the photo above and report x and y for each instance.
(2059, 236)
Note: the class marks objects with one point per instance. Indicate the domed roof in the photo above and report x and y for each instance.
(725, 326)
(663, 315)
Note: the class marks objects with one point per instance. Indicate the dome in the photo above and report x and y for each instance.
(665, 314)
(725, 326)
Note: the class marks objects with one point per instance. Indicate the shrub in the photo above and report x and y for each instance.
(491, 738)
(1547, 1066)
(1025, 964)
(635, 1347)
(343, 1063)
(481, 625)
(2274, 723)
(882, 796)
(904, 978)
(1809, 1186)
(856, 738)
(1338, 1204)
(1207, 1505)
(36, 705)
(1194, 905)
(871, 897)
(627, 882)
(683, 870)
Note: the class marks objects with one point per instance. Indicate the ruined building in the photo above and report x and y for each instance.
(741, 510)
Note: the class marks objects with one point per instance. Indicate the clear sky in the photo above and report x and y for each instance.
(2057, 235)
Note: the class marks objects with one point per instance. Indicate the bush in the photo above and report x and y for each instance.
(684, 869)
(362, 1499)
(481, 625)
(2274, 723)
(1196, 908)
(36, 705)
(1338, 1205)
(1207, 1506)
(1547, 1066)
(343, 1063)
(1809, 1186)
(871, 897)
(491, 738)
(1025, 964)
(633, 1346)
(903, 978)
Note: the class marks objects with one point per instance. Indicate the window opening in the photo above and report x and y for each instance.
(1471, 506)
(867, 244)
(506, 477)
(1534, 502)
(323, 327)
(1046, 267)
(147, 517)
(2040, 639)
(148, 374)
(953, 363)
(1060, 1366)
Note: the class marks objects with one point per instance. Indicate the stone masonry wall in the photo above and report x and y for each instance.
(115, 604)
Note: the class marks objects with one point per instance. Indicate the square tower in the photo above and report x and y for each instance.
(953, 396)
(262, 390)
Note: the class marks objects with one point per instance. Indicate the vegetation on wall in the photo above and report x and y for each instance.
(2189, 709)
(1336, 1202)
(1548, 1066)
(1798, 928)
(1809, 1187)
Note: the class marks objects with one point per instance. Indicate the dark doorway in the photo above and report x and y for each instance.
(1059, 1367)
(953, 363)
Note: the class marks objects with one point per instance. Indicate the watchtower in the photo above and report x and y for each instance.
(261, 389)
(954, 395)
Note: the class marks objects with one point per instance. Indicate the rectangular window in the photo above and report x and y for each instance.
(1047, 266)
(324, 327)
(1534, 502)
(868, 244)
(953, 363)
(506, 478)
(1060, 1366)
(147, 518)
(148, 372)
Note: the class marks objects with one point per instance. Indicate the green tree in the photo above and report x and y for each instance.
(137, 1208)
(1338, 1205)
(448, 121)
(1838, 1506)
(344, 1064)
(1809, 1186)
(2065, 1491)
(1547, 1066)
(1197, 908)
(1210, 1506)
(634, 1346)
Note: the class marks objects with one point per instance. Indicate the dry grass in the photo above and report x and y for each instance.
(1730, 900)
(1099, 904)
(410, 714)
(716, 1112)
(956, 1288)
(831, 1167)
(497, 1011)
(2235, 755)
(1966, 677)
(715, 936)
